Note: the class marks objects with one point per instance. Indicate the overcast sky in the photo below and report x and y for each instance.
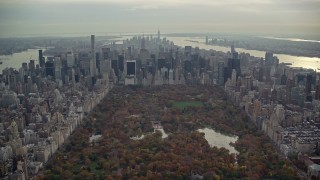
(23, 17)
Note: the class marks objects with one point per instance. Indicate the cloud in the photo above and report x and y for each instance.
(175, 15)
(143, 7)
(157, 3)
(243, 5)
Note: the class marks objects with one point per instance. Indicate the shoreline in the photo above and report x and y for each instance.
(275, 52)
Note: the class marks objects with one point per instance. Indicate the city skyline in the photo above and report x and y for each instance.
(149, 84)
(172, 89)
(34, 17)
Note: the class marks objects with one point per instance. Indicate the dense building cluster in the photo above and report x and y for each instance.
(282, 101)
(41, 104)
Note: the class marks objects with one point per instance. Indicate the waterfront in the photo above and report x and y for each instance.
(296, 61)
(290, 39)
(15, 60)
(179, 111)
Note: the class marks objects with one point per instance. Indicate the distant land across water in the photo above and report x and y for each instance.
(290, 39)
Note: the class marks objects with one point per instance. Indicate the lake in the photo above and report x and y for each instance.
(219, 140)
(163, 134)
(214, 138)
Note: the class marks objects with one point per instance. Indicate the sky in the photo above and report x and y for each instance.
(54, 17)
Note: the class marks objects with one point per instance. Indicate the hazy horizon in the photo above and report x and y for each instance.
(48, 17)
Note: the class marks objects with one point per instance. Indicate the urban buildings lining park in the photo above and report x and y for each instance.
(43, 103)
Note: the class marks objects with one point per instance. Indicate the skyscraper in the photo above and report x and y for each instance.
(187, 50)
(70, 59)
(158, 34)
(221, 73)
(308, 83)
(105, 53)
(115, 66)
(93, 58)
(161, 63)
(143, 43)
(49, 67)
(318, 90)
(121, 62)
(57, 68)
(232, 50)
(32, 65)
(131, 68)
(131, 73)
(269, 58)
(41, 59)
(233, 63)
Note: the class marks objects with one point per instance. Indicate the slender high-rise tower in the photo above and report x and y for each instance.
(41, 59)
(158, 34)
(93, 57)
(143, 43)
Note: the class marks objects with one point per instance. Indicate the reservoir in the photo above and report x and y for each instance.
(219, 140)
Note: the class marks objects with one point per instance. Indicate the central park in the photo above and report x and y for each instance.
(158, 132)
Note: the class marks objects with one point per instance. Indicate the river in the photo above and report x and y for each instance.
(15, 60)
(296, 61)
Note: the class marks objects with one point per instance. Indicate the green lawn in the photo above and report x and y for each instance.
(97, 172)
(183, 104)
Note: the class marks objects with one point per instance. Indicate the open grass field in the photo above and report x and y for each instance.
(184, 104)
